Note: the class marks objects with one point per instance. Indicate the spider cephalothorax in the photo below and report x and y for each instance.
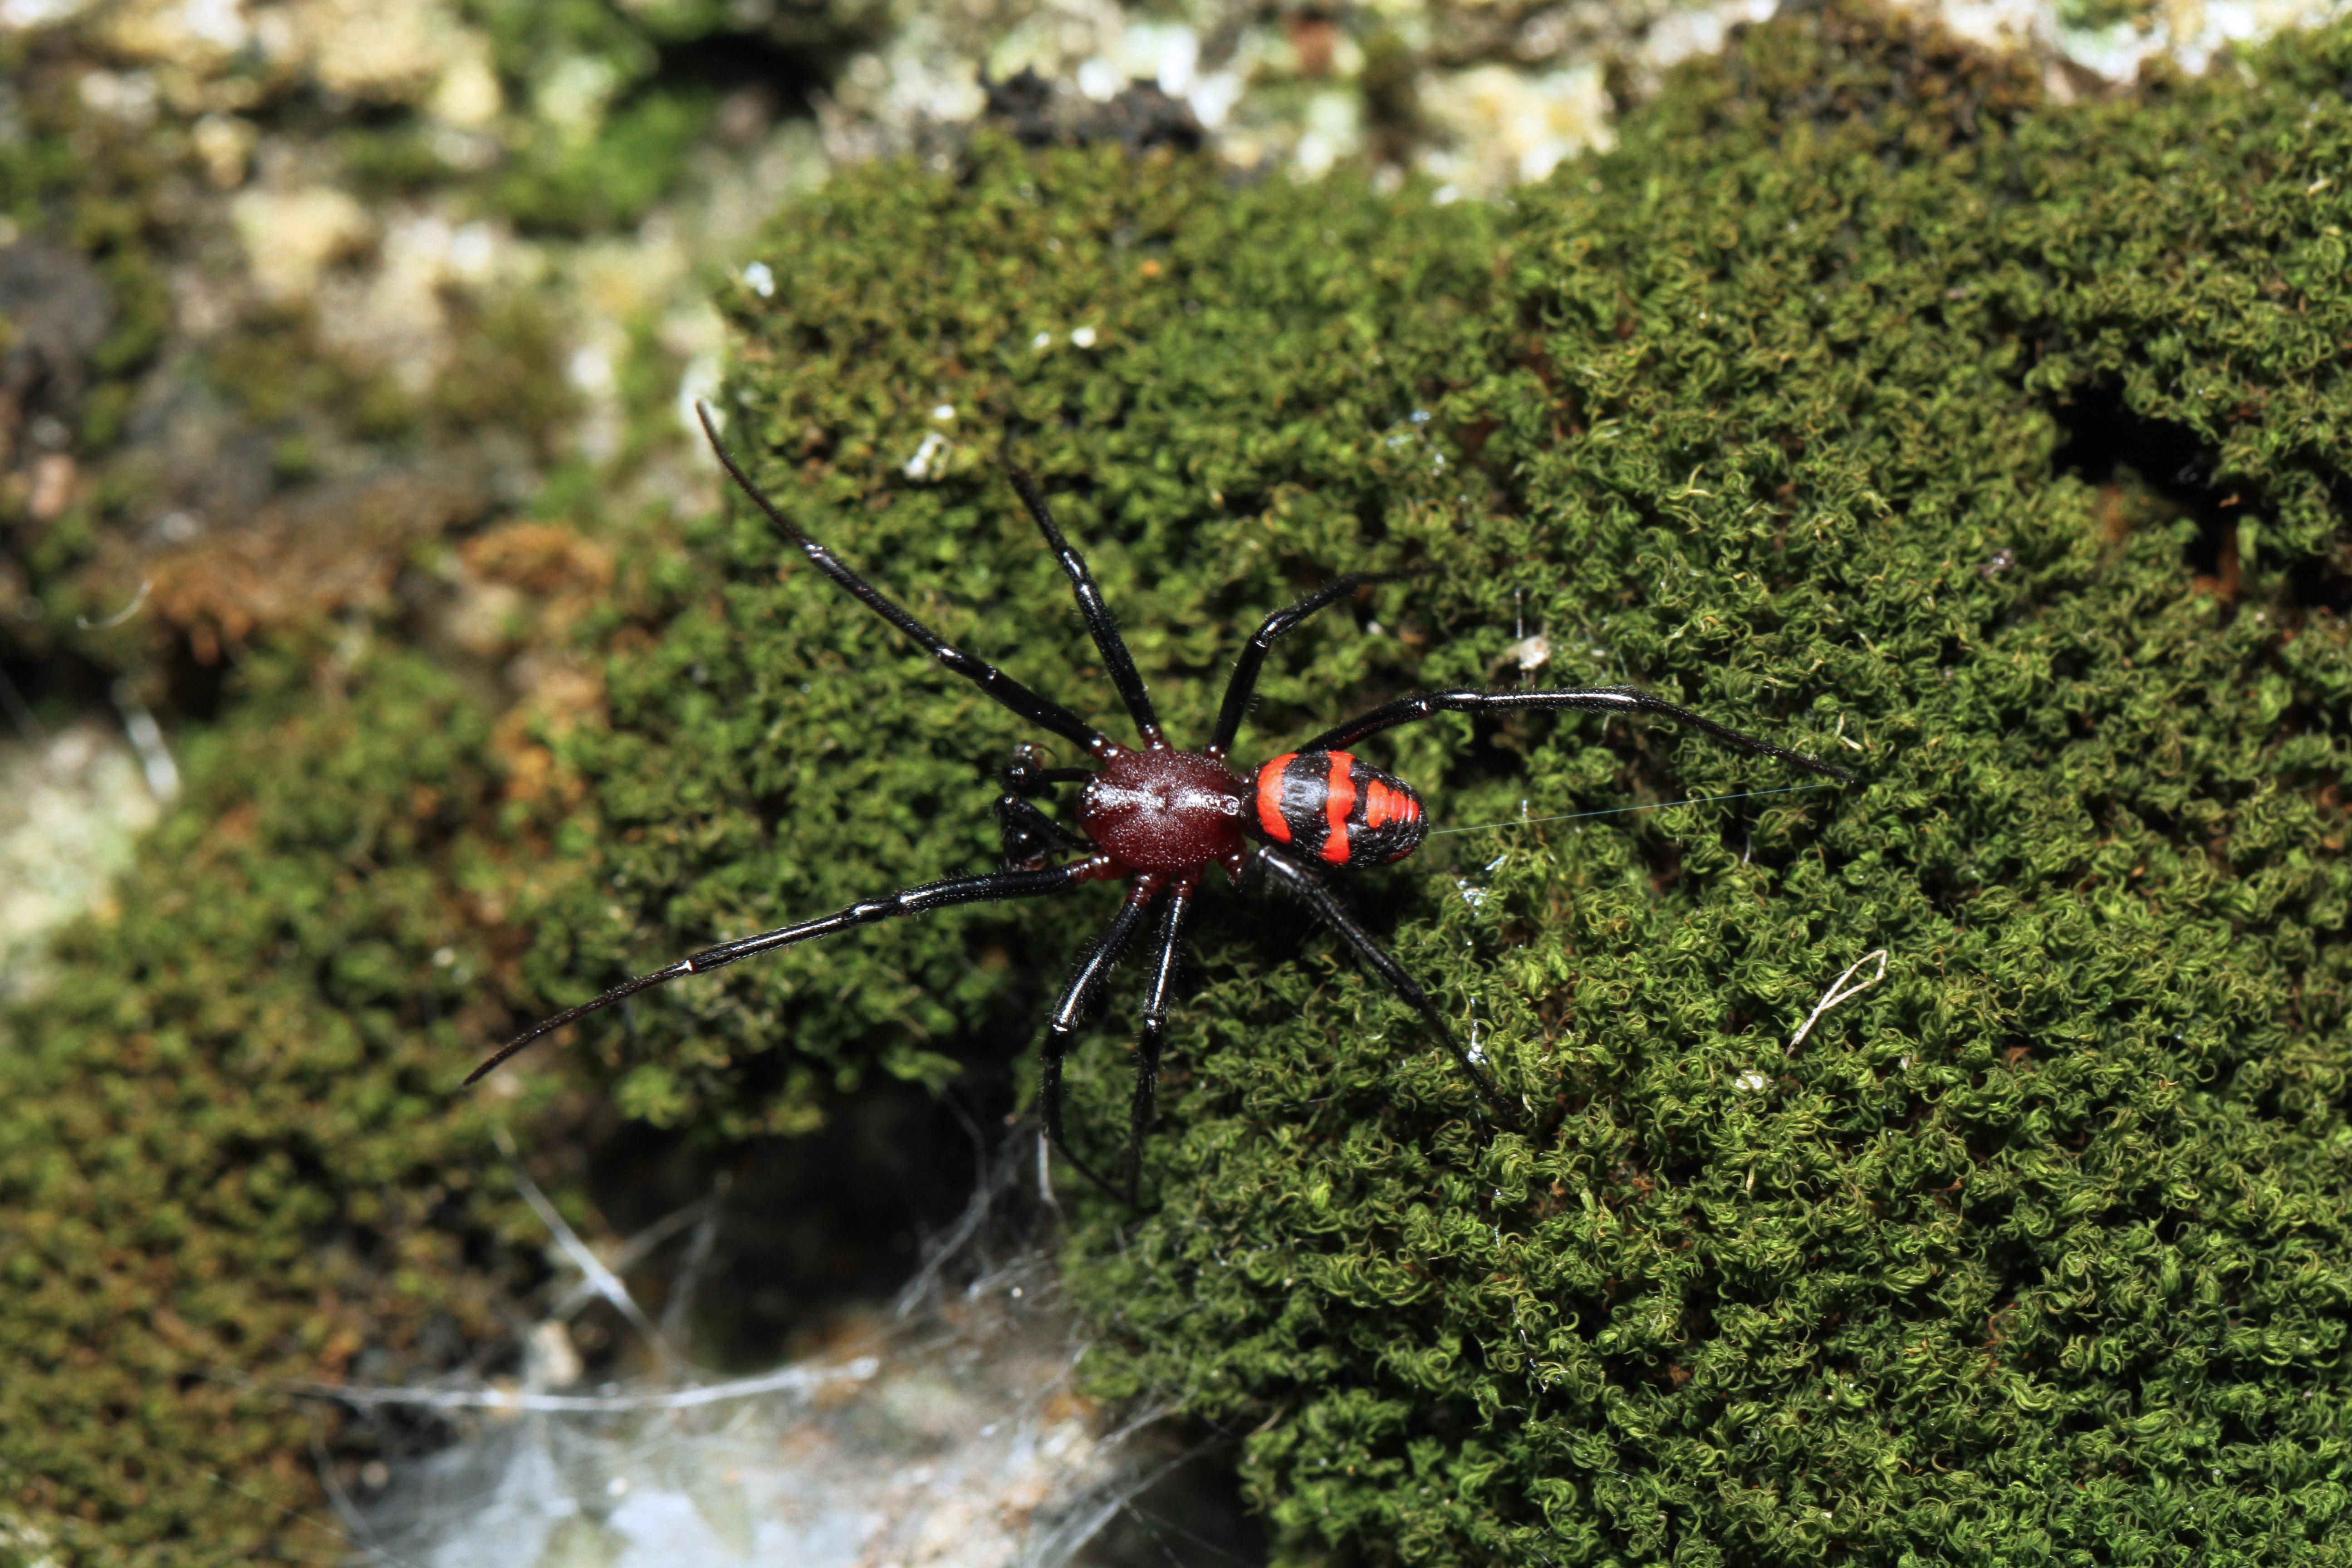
(1158, 817)
(1162, 810)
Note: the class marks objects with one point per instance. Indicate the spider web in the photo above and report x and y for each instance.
(955, 1437)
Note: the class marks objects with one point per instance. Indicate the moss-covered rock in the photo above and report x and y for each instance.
(1859, 398)
(229, 1161)
(2008, 445)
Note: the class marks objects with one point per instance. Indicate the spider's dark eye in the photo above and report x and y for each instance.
(1338, 808)
(1024, 773)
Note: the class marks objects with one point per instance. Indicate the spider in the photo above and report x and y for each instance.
(1159, 817)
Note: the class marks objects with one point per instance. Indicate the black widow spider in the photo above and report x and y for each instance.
(1160, 818)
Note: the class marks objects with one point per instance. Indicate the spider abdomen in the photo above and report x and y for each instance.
(1338, 808)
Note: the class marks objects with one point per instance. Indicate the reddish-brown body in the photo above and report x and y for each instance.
(1165, 811)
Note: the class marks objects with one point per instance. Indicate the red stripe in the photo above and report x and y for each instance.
(1380, 804)
(1338, 800)
(1269, 799)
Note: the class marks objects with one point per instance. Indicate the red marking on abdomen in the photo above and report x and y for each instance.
(1269, 799)
(1380, 804)
(1338, 800)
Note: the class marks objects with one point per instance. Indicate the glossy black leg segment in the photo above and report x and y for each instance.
(1318, 897)
(1153, 1036)
(1031, 838)
(987, 676)
(1030, 774)
(1243, 685)
(1105, 631)
(1604, 699)
(1069, 1013)
(913, 901)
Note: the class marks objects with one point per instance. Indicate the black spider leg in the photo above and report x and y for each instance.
(987, 676)
(1027, 773)
(1029, 836)
(1153, 1036)
(1070, 1011)
(1320, 898)
(913, 901)
(1099, 625)
(1604, 699)
(1243, 685)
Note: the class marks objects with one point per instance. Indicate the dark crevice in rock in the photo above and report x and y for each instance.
(2108, 444)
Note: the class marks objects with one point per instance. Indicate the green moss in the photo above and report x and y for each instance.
(611, 130)
(2088, 14)
(86, 183)
(274, 373)
(572, 184)
(507, 370)
(228, 1157)
(1844, 401)
(2037, 1250)
(385, 163)
(527, 37)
